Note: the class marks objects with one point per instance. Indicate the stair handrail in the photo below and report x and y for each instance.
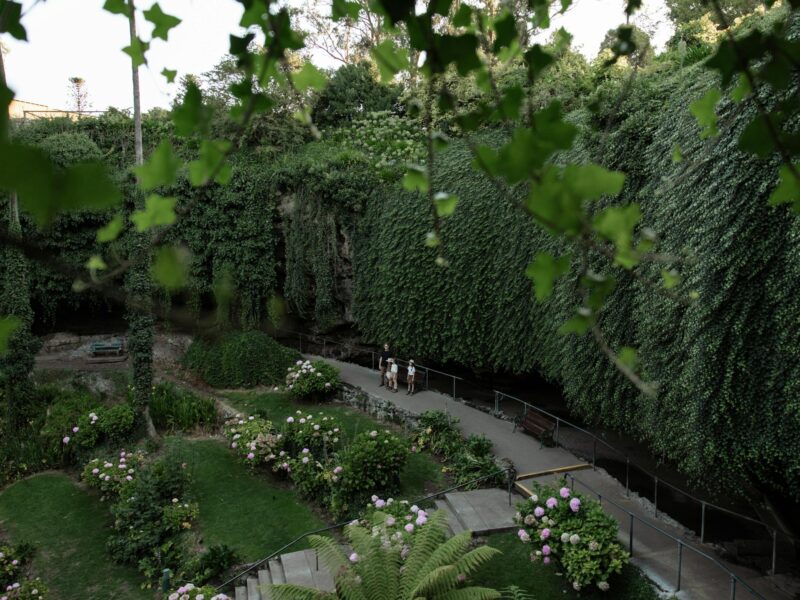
(511, 471)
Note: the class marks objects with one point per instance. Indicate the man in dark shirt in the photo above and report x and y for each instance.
(383, 362)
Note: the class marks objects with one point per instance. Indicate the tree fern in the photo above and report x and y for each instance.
(388, 563)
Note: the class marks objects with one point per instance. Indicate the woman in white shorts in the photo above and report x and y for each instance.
(393, 370)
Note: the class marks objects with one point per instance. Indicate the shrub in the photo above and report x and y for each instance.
(438, 433)
(320, 434)
(312, 381)
(32, 589)
(189, 591)
(573, 532)
(151, 510)
(174, 409)
(210, 564)
(372, 463)
(240, 359)
(253, 439)
(12, 562)
(110, 476)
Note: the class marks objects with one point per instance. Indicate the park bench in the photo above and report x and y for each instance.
(115, 347)
(537, 424)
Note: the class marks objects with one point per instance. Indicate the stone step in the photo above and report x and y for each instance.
(482, 511)
(323, 580)
(466, 513)
(276, 571)
(297, 569)
(241, 593)
(452, 520)
(252, 589)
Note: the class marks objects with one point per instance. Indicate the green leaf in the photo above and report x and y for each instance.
(459, 49)
(592, 182)
(742, 89)
(617, 224)
(96, 263)
(171, 267)
(416, 179)
(505, 27)
(11, 21)
(432, 240)
(309, 77)
(160, 169)
(191, 115)
(111, 231)
(756, 138)
(158, 210)
(445, 203)
(136, 50)
(390, 60)
(544, 271)
(463, 16)
(677, 156)
(703, 111)
(788, 190)
(162, 22)
(579, 324)
(169, 74)
(8, 325)
(628, 357)
(341, 9)
(537, 60)
(211, 161)
(117, 7)
(671, 278)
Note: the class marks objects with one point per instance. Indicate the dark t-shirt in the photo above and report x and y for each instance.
(385, 356)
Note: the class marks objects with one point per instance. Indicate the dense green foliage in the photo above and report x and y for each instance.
(240, 359)
(350, 93)
(176, 409)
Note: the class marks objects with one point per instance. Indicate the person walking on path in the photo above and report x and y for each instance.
(383, 362)
(394, 369)
(412, 372)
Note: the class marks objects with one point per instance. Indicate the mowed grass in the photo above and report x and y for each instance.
(422, 474)
(240, 508)
(69, 528)
(514, 567)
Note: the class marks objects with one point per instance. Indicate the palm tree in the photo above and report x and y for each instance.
(428, 567)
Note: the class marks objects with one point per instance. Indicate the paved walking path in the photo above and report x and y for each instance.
(655, 553)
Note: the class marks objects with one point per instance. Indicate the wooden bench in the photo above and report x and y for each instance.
(115, 347)
(537, 424)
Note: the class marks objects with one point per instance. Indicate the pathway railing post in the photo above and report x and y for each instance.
(774, 552)
(680, 564)
(323, 346)
(627, 476)
(733, 587)
(165, 581)
(655, 497)
(555, 440)
(702, 521)
(300, 341)
(454, 388)
(630, 536)
(496, 403)
(594, 454)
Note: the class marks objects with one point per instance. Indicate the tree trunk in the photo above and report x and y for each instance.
(140, 322)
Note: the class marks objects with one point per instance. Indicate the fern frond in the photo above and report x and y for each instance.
(290, 591)
(375, 570)
(427, 539)
(473, 559)
(437, 582)
(514, 592)
(470, 593)
(330, 553)
(448, 553)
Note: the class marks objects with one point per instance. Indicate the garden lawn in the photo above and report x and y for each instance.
(69, 528)
(514, 567)
(241, 508)
(422, 475)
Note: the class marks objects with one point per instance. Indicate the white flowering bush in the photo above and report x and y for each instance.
(320, 433)
(312, 381)
(387, 140)
(189, 591)
(110, 475)
(253, 439)
(572, 532)
(31, 589)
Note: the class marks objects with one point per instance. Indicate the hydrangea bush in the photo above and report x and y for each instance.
(32, 589)
(321, 434)
(110, 475)
(312, 381)
(573, 533)
(189, 591)
(253, 439)
(14, 584)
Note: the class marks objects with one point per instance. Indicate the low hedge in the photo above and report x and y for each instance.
(240, 359)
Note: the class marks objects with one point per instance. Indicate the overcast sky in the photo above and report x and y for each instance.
(76, 38)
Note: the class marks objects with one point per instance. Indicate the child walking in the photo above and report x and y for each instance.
(412, 374)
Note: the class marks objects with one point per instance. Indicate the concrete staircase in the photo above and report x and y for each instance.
(479, 511)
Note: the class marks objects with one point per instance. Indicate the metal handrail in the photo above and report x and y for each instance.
(681, 543)
(280, 550)
(500, 395)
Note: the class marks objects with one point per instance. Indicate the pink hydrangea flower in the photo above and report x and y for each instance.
(75, 429)
(290, 420)
(575, 504)
(305, 450)
(546, 560)
(305, 460)
(250, 456)
(354, 557)
(538, 512)
(390, 521)
(338, 470)
(234, 444)
(564, 492)
(545, 549)
(421, 519)
(128, 477)
(302, 421)
(373, 434)
(380, 503)
(545, 533)
(551, 502)
(95, 471)
(409, 528)
(66, 439)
